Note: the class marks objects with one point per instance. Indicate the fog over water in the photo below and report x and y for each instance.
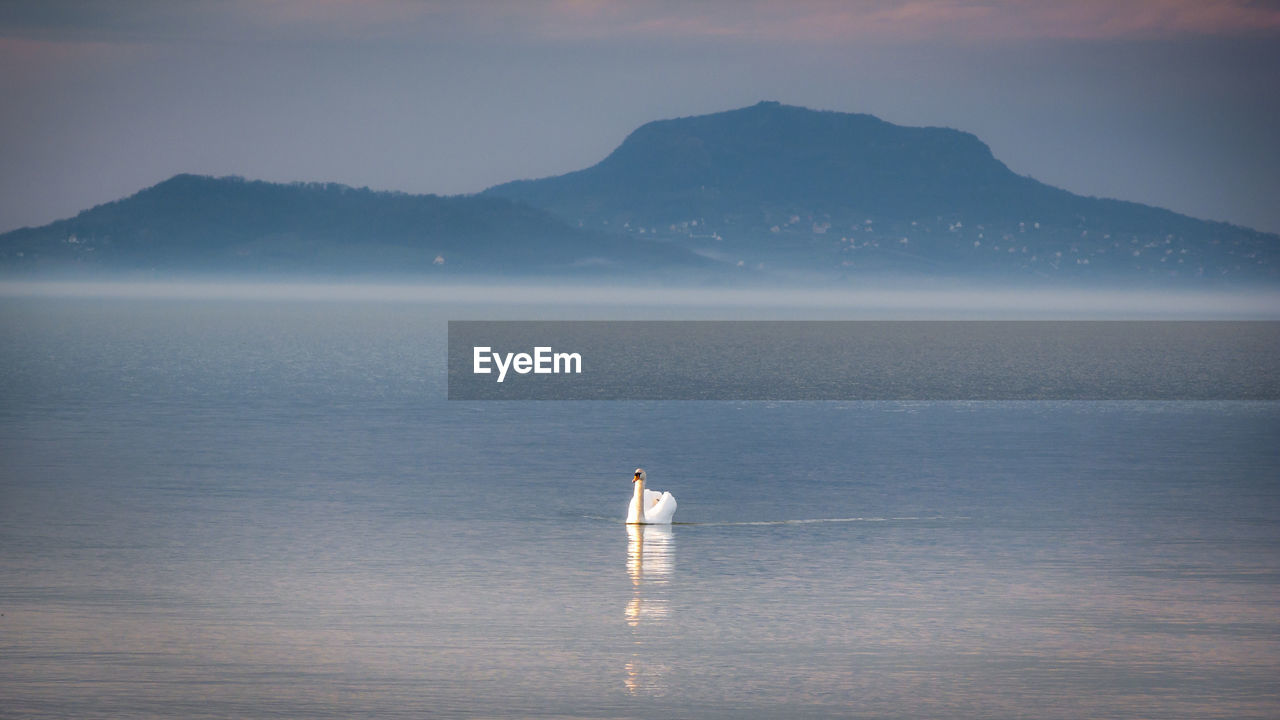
(630, 299)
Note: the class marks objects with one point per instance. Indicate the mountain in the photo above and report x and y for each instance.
(192, 223)
(767, 191)
(791, 188)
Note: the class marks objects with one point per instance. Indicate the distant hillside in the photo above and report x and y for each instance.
(768, 191)
(790, 188)
(192, 223)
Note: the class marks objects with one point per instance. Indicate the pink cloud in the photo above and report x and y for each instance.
(817, 21)
(833, 20)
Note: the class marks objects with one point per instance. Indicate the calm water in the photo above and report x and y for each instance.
(249, 510)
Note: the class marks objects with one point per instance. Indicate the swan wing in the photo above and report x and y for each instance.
(660, 509)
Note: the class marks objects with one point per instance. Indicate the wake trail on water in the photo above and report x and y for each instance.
(810, 521)
(802, 521)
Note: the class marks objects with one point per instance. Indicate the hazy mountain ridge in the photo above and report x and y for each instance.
(776, 155)
(768, 189)
(199, 223)
(789, 187)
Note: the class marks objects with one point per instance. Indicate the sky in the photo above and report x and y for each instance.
(1174, 103)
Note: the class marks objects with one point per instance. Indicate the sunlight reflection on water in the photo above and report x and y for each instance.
(651, 567)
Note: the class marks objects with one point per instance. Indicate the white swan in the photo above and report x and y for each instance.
(649, 507)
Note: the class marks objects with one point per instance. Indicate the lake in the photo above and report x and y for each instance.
(267, 508)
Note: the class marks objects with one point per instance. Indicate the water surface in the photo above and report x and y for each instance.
(222, 509)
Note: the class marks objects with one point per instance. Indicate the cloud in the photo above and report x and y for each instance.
(912, 20)
(795, 21)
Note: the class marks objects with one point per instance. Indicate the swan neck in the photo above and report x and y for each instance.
(639, 500)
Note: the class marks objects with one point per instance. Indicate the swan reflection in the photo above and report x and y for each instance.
(645, 679)
(650, 562)
(650, 554)
(650, 565)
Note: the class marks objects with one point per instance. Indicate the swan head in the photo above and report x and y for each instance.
(639, 476)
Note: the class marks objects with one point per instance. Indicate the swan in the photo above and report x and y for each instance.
(649, 507)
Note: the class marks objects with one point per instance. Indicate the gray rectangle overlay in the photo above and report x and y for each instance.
(867, 360)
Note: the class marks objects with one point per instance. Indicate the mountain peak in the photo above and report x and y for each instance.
(771, 182)
(783, 155)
